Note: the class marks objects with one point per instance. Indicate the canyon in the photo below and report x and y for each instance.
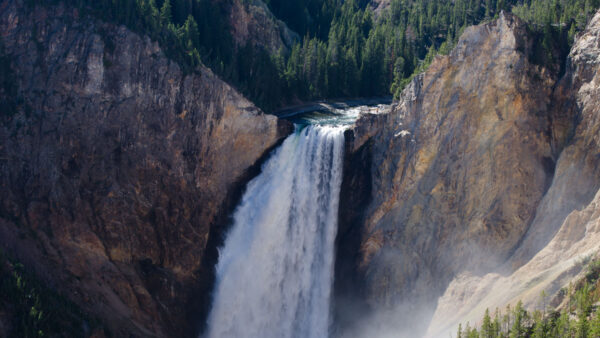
(121, 174)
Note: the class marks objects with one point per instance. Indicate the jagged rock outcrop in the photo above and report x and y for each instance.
(457, 170)
(253, 22)
(379, 6)
(117, 170)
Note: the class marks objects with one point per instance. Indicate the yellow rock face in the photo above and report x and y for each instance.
(566, 229)
(459, 168)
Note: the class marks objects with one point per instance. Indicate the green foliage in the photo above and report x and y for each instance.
(539, 328)
(583, 300)
(487, 330)
(384, 54)
(579, 318)
(307, 17)
(557, 13)
(555, 22)
(36, 310)
(166, 15)
(519, 318)
(365, 56)
(345, 52)
(595, 325)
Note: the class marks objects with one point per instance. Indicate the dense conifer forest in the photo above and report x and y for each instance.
(346, 49)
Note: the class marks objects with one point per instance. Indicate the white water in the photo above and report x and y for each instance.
(275, 270)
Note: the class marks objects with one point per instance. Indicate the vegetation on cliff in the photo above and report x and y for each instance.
(577, 315)
(29, 308)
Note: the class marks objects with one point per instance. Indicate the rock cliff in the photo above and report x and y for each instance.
(566, 230)
(118, 173)
(118, 170)
(252, 21)
(458, 169)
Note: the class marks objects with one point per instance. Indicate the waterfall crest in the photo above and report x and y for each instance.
(275, 270)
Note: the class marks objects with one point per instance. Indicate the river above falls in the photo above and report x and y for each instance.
(334, 113)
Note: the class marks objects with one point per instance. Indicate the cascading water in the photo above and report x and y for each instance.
(275, 270)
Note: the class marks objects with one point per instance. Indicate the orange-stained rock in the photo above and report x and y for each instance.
(458, 169)
(565, 233)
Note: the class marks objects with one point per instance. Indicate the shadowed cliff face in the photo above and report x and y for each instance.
(251, 21)
(458, 169)
(117, 169)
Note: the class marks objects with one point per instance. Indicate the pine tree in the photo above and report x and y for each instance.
(166, 12)
(506, 320)
(467, 331)
(518, 316)
(595, 325)
(496, 326)
(563, 325)
(486, 327)
(584, 305)
(399, 78)
(539, 329)
(582, 326)
(192, 36)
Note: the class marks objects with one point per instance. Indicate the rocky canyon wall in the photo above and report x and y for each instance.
(468, 174)
(565, 232)
(118, 170)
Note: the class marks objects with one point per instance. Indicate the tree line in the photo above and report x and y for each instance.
(346, 49)
(579, 316)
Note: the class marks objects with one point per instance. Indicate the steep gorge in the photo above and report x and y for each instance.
(114, 187)
(119, 173)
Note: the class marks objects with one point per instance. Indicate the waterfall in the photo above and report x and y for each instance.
(275, 271)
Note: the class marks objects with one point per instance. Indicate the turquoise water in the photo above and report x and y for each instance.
(332, 115)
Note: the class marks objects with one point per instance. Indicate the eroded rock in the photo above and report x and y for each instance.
(458, 169)
(118, 170)
(565, 232)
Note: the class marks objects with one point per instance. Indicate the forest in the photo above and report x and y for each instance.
(346, 50)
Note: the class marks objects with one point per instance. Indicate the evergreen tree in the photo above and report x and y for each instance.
(539, 329)
(582, 326)
(595, 325)
(496, 326)
(563, 325)
(192, 35)
(347, 51)
(486, 327)
(506, 320)
(166, 12)
(517, 328)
